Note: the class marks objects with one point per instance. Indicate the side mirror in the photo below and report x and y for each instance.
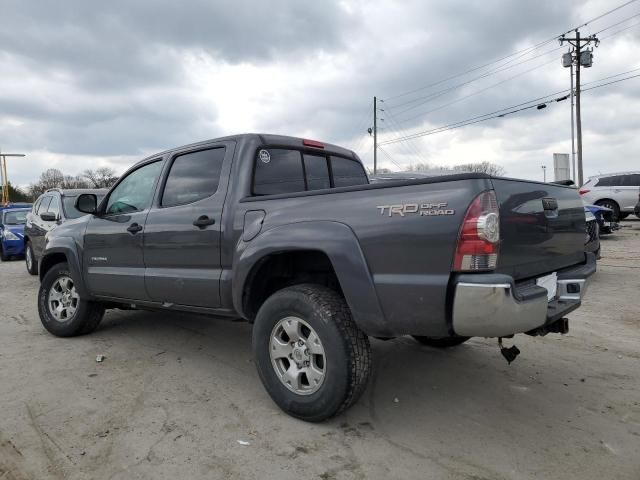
(87, 203)
(48, 216)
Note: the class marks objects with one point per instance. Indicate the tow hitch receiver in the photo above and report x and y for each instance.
(510, 354)
(559, 326)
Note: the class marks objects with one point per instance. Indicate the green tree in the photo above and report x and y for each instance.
(16, 194)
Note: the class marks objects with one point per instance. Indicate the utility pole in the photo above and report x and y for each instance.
(375, 134)
(584, 59)
(573, 135)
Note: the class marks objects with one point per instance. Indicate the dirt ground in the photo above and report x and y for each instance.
(176, 392)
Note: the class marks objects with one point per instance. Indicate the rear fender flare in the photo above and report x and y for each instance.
(340, 245)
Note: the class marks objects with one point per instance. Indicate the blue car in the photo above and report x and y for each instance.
(12, 221)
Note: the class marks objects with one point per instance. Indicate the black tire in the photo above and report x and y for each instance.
(613, 206)
(30, 259)
(441, 342)
(3, 257)
(87, 314)
(346, 350)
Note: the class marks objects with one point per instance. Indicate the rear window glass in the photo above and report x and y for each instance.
(278, 171)
(610, 181)
(347, 172)
(317, 172)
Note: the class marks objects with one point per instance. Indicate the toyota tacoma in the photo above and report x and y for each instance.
(289, 234)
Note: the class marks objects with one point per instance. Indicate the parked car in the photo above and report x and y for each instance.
(12, 220)
(50, 210)
(592, 242)
(636, 210)
(288, 234)
(604, 217)
(617, 191)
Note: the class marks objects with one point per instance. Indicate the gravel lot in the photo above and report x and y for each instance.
(176, 392)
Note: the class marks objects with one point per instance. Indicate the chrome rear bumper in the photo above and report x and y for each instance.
(491, 305)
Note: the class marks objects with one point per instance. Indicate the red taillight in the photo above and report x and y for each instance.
(479, 236)
(312, 143)
(582, 191)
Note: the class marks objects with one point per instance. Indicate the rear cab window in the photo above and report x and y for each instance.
(281, 171)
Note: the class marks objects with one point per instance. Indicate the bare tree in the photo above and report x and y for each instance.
(54, 178)
(481, 167)
(103, 177)
(419, 167)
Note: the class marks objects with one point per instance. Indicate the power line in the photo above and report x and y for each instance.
(616, 24)
(439, 93)
(493, 115)
(477, 92)
(523, 51)
(389, 157)
(502, 68)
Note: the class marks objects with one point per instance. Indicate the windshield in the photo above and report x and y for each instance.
(15, 217)
(68, 205)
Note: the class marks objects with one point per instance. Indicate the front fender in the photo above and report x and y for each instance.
(56, 248)
(339, 243)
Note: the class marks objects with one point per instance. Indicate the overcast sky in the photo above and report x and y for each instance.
(87, 84)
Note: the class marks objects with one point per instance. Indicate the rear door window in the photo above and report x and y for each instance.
(193, 176)
(347, 172)
(317, 172)
(278, 171)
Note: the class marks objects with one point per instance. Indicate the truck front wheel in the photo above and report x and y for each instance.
(62, 311)
(441, 342)
(311, 356)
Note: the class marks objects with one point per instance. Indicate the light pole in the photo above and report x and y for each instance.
(544, 173)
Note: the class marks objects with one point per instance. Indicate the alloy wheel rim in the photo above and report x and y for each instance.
(29, 259)
(63, 299)
(297, 356)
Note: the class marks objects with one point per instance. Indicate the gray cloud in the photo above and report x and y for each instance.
(115, 80)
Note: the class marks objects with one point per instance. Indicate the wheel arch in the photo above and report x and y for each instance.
(322, 252)
(607, 199)
(59, 251)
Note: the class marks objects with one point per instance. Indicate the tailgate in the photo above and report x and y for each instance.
(542, 227)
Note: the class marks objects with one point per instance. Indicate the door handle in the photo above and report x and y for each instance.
(203, 221)
(134, 228)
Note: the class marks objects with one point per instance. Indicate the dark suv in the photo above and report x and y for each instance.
(51, 209)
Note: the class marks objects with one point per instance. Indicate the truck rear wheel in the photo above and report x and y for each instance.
(441, 342)
(311, 356)
(62, 311)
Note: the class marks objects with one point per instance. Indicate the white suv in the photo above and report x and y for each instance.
(617, 191)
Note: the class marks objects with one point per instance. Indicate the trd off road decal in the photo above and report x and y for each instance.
(422, 209)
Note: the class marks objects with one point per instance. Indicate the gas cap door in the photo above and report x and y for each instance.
(253, 220)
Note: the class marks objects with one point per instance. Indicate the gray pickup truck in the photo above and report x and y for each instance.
(289, 234)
